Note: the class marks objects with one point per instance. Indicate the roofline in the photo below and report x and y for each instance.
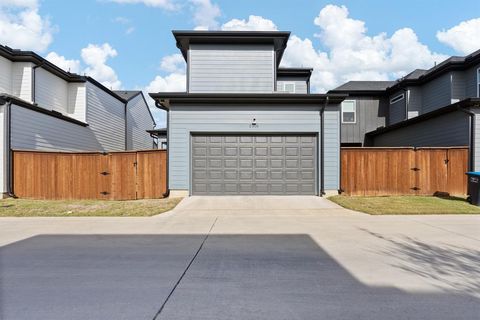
(164, 99)
(466, 103)
(353, 93)
(4, 98)
(295, 72)
(148, 108)
(279, 39)
(102, 87)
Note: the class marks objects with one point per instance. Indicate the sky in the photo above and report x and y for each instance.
(128, 44)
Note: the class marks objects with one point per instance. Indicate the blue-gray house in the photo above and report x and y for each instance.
(245, 126)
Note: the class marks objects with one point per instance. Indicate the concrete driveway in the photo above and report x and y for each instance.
(242, 258)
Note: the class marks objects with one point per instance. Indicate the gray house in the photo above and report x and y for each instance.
(439, 107)
(246, 126)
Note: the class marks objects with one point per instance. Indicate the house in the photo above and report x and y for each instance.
(439, 107)
(160, 138)
(245, 126)
(45, 108)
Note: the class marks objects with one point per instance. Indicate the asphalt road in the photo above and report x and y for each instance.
(242, 276)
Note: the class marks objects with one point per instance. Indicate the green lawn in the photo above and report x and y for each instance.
(88, 208)
(406, 205)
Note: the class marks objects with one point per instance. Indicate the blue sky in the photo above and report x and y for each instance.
(138, 35)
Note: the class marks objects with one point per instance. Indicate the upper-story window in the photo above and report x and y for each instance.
(349, 111)
(289, 87)
(478, 82)
(397, 98)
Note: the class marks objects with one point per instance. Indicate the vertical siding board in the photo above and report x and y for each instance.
(332, 147)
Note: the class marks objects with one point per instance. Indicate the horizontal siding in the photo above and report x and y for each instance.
(370, 116)
(230, 68)
(415, 100)
(436, 93)
(77, 101)
(458, 85)
(397, 110)
(331, 165)
(32, 130)
(443, 131)
(300, 86)
(106, 118)
(270, 119)
(5, 75)
(51, 92)
(22, 80)
(471, 81)
(138, 121)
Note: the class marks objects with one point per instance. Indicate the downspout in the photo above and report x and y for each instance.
(158, 105)
(322, 148)
(471, 136)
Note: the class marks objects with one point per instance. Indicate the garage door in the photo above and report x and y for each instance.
(253, 164)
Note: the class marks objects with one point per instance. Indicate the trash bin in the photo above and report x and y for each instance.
(473, 188)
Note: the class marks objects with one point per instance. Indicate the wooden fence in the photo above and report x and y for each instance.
(403, 171)
(110, 176)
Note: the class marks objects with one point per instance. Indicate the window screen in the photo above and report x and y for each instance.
(349, 111)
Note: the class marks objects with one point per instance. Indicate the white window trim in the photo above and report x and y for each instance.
(294, 87)
(397, 98)
(354, 112)
(478, 83)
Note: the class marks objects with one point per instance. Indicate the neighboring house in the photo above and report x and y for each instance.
(238, 131)
(426, 108)
(160, 138)
(45, 108)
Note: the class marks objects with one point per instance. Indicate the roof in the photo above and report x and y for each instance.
(470, 102)
(4, 98)
(363, 87)
(164, 99)
(415, 74)
(277, 38)
(158, 132)
(295, 72)
(127, 94)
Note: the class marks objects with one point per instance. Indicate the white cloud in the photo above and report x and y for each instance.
(205, 14)
(68, 65)
(351, 54)
(164, 4)
(173, 63)
(22, 27)
(254, 23)
(174, 82)
(464, 37)
(96, 56)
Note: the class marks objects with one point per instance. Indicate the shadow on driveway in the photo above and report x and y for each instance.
(233, 277)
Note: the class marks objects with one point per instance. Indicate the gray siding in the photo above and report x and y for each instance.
(31, 130)
(3, 150)
(397, 110)
(231, 68)
(138, 121)
(371, 114)
(476, 142)
(237, 119)
(471, 81)
(447, 130)
(332, 148)
(436, 93)
(300, 85)
(5, 75)
(414, 101)
(106, 118)
(51, 92)
(458, 86)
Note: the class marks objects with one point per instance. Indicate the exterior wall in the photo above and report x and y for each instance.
(437, 93)
(448, 130)
(51, 92)
(414, 102)
(476, 142)
(77, 101)
(397, 110)
(22, 80)
(32, 130)
(231, 68)
(138, 121)
(370, 114)
(301, 86)
(5, 75)
(106, 118)
(237, 119)
(458, 86)
(332, 148)
(3, 151)
(471, 81)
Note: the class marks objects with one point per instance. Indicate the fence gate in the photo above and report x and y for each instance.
(111, 176)
(404, 171)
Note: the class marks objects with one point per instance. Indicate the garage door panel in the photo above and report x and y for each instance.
(253, 164)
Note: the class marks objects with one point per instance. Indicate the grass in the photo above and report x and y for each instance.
(85, 208)
(406, 205)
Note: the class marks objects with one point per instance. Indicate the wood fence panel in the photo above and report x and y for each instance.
(88, 180)
(123, 175)
(151, 174)
(457, 166)
(432, 171)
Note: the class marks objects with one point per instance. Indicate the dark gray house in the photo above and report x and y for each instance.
(246, 126)
(439, 107)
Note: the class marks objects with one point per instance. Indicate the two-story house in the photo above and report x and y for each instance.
(245, 126)
(439, 107)
(45, 108)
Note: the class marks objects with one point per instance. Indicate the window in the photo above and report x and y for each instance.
(397, 98)
(289, 87)
(349, 111)
(478, 82)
